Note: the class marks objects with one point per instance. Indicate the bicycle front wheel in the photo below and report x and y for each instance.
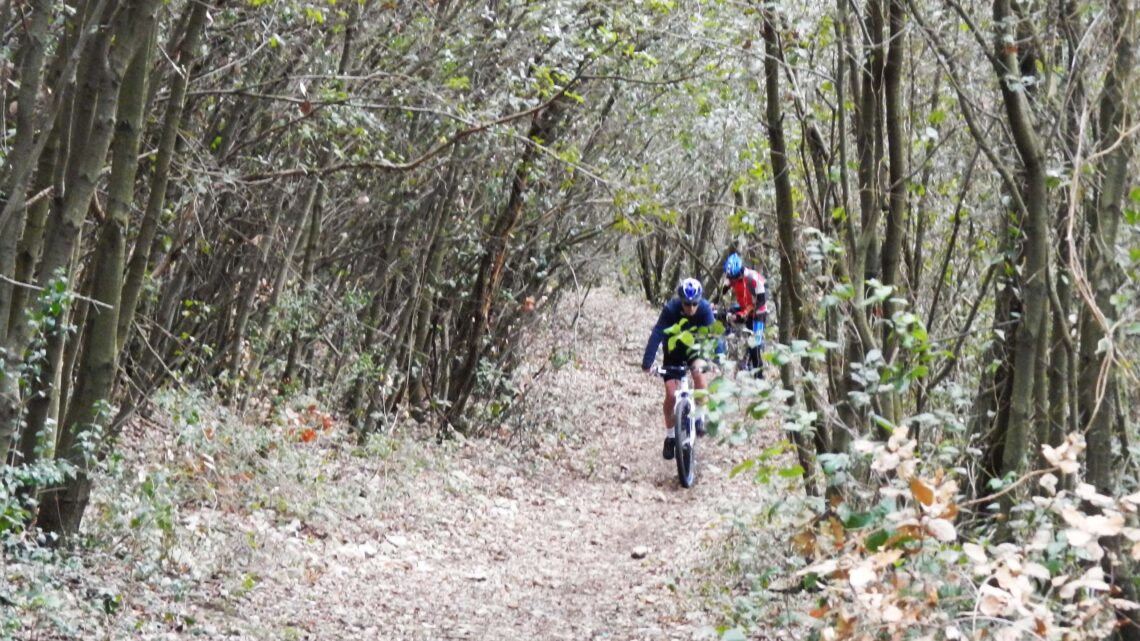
(685, 452)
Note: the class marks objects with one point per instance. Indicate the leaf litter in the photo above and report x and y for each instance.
(565, 525)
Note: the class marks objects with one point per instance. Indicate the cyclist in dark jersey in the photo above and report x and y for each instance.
(690, 306)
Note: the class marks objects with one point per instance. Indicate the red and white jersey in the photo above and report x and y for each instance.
(751, 292)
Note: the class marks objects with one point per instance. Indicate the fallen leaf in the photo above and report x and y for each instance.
(820, 612)
(922, 492)
(942, 530)
(805, 543)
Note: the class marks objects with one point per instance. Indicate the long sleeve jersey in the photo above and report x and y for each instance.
(671, 315)
(751, 293)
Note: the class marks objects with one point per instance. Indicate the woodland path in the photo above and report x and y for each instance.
(487, 540)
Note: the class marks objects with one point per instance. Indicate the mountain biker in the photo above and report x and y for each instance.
(751, 309)
(690, 306)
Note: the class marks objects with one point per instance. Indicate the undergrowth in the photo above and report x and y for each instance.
(183, 510)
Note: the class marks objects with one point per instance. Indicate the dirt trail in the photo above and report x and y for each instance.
(491, 542)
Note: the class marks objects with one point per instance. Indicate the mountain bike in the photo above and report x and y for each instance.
(684, 425)
(738, 341)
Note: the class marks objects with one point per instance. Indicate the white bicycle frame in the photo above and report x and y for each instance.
(682, 399)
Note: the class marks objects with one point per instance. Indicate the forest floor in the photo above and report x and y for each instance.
(573, 527)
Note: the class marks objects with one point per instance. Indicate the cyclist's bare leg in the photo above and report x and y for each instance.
(670, 395)
(696, 371)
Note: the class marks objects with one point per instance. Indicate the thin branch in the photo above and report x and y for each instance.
(968, 110)
(1007, 489)
(949, 364)
(384, 165)
(37, 288)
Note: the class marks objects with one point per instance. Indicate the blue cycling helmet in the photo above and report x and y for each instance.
(733, 266)
(690, 290)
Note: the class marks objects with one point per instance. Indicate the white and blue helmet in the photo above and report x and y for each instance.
(690, 290)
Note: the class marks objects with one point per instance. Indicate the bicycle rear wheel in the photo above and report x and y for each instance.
(685, 451)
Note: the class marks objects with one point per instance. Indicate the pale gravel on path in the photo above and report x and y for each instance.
(497, 542)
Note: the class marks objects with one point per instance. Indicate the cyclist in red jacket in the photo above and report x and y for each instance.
(751, 309)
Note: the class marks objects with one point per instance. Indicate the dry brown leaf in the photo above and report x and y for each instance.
(837, 531)
(820, 612)
(805, 543)
(922, 492)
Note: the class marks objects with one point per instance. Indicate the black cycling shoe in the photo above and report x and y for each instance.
(700, 427)
(670, 445)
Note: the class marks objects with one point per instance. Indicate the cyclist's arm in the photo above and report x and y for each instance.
(759, 296)
(760, 292)
(655, 338)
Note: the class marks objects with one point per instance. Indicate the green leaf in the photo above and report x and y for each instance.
(742, 466)
(758, 410)
(883, 422)
(858, 520)
(458, 83)
(876, 540)
(792, 472)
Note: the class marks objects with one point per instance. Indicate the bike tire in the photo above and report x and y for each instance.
(685, 448)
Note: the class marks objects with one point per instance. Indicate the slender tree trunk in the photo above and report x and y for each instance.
(1098, 374)
(786, 233)
(1030, 332)
(544, 127)
(897, 147)
(19, 160)
(63, 509)
(250, 282)
(183, 55)
(427, 281)
(32, 54)
(312, 235)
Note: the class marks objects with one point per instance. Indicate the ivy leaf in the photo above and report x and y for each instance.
(876, 540)
(858, 520)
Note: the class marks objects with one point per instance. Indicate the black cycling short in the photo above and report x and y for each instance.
(677, 358)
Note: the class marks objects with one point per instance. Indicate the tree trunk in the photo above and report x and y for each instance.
(545, 127)
(32, 54)
(1029, 342)
(86, 415)
(1098, 374)
(184, 55)
(897, 147)
(791, 278)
